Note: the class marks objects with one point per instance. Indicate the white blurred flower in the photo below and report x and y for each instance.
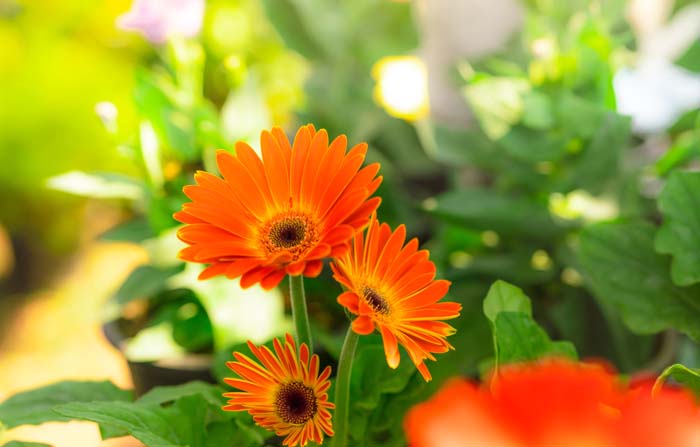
(656, 94)
(161, 20)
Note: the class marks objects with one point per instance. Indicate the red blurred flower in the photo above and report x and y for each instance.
(668, 418)
(554, 402)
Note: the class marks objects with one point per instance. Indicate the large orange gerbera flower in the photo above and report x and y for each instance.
(392, 286)
(279, 215)
(285, 394)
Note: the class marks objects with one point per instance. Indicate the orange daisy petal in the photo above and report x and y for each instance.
(280, 399)
(349, 300)
(281, 212)
(363, 325)
(313, 268)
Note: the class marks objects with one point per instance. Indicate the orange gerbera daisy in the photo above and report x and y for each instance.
(285, 394)
(279, 215)
(392, 286)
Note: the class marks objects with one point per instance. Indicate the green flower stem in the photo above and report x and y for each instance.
(342, 389)
(299, 313)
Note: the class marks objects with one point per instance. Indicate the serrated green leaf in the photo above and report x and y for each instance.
(504, 297)
(371, 381)
(679, 235)
(162, 394)
(372, 377)
(622, 268)
(689, 378)
(36, 406)
(152, 425)
(520, 339)
(516, 336)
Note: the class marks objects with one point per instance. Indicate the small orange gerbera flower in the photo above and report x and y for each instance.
(391, 286)
(279, 215)
(285, 394)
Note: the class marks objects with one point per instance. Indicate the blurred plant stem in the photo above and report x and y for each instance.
(342, 389)
(426, 136)
(300, 314)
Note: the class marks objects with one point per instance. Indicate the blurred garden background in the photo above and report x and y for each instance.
(525, 140)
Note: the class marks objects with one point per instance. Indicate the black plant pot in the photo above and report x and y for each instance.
(147, 375)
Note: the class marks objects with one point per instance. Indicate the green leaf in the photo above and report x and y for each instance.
(154, 426)
(533, 146)
(36, 406)
(516, 336)
(497, 102)
(504, 297)
(387, 28)
(237, 433)
(144, 282)
(679, 235)
(229, 308)
(372, 380)
(25, 444)
(690, 59)
(579, 116)
(685, 147)
(134, 230)
(162, 394)
(372, 377)
(520, 339)
(600, 159)
(621, 266)
(513, 266)
(98, 185)
(689, 378)
(538, 113)
(488, 210)
(286, 18)
(463, 147)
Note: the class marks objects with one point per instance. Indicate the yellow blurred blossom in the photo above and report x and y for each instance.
(580, 204)
(402, 86)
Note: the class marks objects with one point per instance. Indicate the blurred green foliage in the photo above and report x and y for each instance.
(59, 60)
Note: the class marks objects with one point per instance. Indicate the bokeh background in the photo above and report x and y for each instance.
(102, 123)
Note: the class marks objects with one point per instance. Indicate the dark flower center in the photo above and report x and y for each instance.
(375, 301)
(287, 233)
(295, 403)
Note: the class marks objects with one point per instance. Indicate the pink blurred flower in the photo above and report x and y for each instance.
(160, 20)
